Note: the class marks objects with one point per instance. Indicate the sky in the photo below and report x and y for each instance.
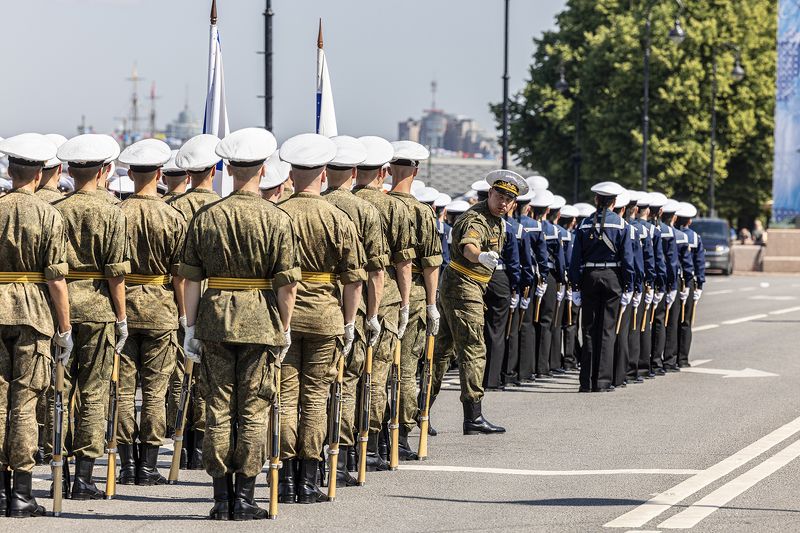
(66, 58)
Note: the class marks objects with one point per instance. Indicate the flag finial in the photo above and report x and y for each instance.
(213, 11)
(319, 35)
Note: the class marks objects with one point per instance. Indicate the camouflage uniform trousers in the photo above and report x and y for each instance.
(198, 397)
(89, 367)
(150, 356)
(242, 383)
(382, 357)
(354, 367)
(412, 347)
(25, 366)
(460, 336)
(307, 373)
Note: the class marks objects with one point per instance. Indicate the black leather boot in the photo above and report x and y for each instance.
(343, 477)
(475, 424)
(83, 488)
(147, 473)
(244, 503)
(65, 480)
(375, 463)
(383, 443)
(223, 498)
(196, 455)
(322, 464)
(405, 453)
(127, 468)
(307, 489)
(39, 456)
(286, 481)
(23, 504)
(352, 460)
(5, 489)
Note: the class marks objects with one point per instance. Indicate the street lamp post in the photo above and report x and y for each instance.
(563, 87)
(505, 88)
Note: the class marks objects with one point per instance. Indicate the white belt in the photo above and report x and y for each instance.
(601, 265)
(500, 266)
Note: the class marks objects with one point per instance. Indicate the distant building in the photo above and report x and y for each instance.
(183, 128)
(455, 175)
(450, 135)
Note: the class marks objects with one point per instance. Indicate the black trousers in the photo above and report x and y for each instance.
(512, 359)
(685, 330)
(671, 335)
(527, 342)
(570, 333)
(645, 340)
(544, 337)
(555, 333)
(600, 292)
(634, 342)
(495, 317)
(659, 336)
(621, 347)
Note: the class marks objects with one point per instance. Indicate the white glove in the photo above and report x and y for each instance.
(637, 300)
(626, 298)
(685, 294)
(191, 347)
(373, 330)
(671, 295)
(64, 340)
(122, 333)
(489, 259)
(433, 319)
(514, 301)
(560, 294)
(540, 290)
(524, 303)
(569, 294)
(182, 322)
(401, 327)
(648, 297)
(287, 336)
(576, 298)
(657, 298)
(349, 337)
(697, 294)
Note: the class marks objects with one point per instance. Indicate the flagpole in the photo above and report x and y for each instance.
(319, 67)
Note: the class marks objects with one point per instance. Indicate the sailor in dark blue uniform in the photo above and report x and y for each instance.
(569, 313)
(555, 364)
(442, 227)
(640, 368)
(686, 212)
(621, 347)
(602, 277)
(684, 273)
(664, 241)
(632, 338)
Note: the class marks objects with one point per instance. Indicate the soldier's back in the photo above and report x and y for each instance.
(192, 200)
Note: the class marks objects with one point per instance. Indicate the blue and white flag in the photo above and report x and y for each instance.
(216, 116)
(326, 114)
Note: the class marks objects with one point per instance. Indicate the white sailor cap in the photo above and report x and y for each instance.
(427, 195)
(171, 166)
(33, 149)
(417, 186)
(471, 195)
(542, 198)
(58, 140)
(608, 188)
(409, 153)
(643, 200)
(537, 182)
(657, 199)
(442, 200)
(146, 153)
(66, 183)
(277, 172)
(524, 198)
(308, 150)
(123, 184)
(459, 206)
(379, 151)
(623, 199)
(558, 202)
(670, 207)
(633, 196)
(569, 211)
(584, 209)
(686, 210)
(350, 152)
(89, 150)
(198, 153)
(247, 147)
(507, 181)
(480, 186)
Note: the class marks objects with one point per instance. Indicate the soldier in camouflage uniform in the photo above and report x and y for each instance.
(273, 183)
(340, 174)
(329, 253)
(423, 315)
(397, 227)
(175, 178)
(51, 173)
(155, 233)
(32, 270)
(243, 247)
(474, 251)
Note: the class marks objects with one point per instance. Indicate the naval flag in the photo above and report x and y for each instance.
(216, 116)
(326, 114)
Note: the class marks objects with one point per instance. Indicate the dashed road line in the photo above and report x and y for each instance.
(743, 319)
(551, 473)
(784, 311)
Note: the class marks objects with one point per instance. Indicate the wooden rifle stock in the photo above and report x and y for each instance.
(180, 421)
(424, 416)
(58, 428)
(366, 400)
(394, 409)
(335, 428)
(111, 430)
(275, 448)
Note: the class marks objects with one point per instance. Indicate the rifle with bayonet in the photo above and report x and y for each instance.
(58, 428)
(425, 400)
(111, 430)
(275, 447)
(366, 400)
(334, 428)
(180, 421)
(394, 408)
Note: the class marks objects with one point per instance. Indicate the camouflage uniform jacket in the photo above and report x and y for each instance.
(49, 194)
(189, 202)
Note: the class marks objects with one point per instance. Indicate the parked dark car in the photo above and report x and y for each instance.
(716, 235)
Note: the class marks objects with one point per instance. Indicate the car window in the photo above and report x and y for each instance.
(712, 229)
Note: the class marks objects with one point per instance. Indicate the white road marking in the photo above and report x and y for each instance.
(746, 373)
(691, 516)
(714, 293)
(551, 473)
(743, 319)
(706, 327)
(655, 506)
(747, 289)
(784, 311)
(772, 298)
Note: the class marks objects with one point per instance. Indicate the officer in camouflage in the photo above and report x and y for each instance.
(175, 178)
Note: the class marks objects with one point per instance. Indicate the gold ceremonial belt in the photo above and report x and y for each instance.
(318, 277)
(22, 277)
(141, 279)
(84, 275)
(239, 284)
(471, 274)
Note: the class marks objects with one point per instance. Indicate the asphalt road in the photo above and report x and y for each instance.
(695, 450)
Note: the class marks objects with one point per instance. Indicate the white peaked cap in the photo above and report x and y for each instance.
(442, 200)
(459, 206)
(379, 151)
(146, 153)
(417, 186)
(537, 182)
(569, 211)
(670, 207)
(58, 140)
(608, 188)
(542, 198)
(644, 199)
(634, 196)
(505, 180)
(350, 152)
(428, 195)
(277, 172)
(686, 210)
(558, 202)
(198, 153)
(657, 199)
(481, 186)
(248, 145)
(410, 150)
(623, 199)
(89, 148)
(171, 165)
(310, 150)
(33, 147)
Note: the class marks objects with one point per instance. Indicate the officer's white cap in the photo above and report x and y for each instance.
(379, 151)
(350, 152)
(644, 199)
(471, 195)
(418, 183)
(198, 153)
(558, 202)
(686, 210)
(569, 211)
(480, 186)
(623, 199)
(633, 196)
(507, 181)
(33, 147)
(428, 195)
(146, 153)
(277, 172)
(459, 206)
(417, 186)
(522, 198)
(66, 183)
(248, 146)
(308, 150)
(442, 200)
(584, 209)
(123, 184)
(89, 149)
(409, 151)
(542, 198)
(171, 165)
(657, 199)
(58, 140)
(608, 188)
(670, 207)
(537, 182)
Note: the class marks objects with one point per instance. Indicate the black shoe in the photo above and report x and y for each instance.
(23, 504)
(475, 423)
(559, 371)
(343, 477)
(83, 488)
(431, 431)
(170, 432)
(65, 479)
(637, 379)
(375, 463)
(38, 457)
(196, 453)
(622, 385)
(147, 473)
(127, 469)
(498, 388)
(244, 503)
(286, 481)
(307, 489)
(584, 389)
(352, 460)
(684, 365)
(660, 372)
(610, 388)
(405, 453)
(672, 369)
(383, 443)
(223, 498)
(5, 490)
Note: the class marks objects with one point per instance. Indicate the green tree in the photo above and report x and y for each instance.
(599, 46)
